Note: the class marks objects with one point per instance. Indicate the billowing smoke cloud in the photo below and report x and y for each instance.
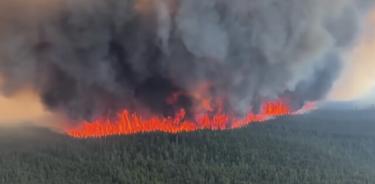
(89, 57)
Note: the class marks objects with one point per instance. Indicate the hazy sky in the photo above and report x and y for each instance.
(24, 107)
(357, 79)
(20, 107)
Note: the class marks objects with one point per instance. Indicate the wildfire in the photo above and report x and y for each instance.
(127, 123)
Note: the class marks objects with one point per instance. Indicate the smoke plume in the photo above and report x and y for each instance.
(87, 58)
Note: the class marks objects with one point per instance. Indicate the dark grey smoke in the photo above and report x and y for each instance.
(91, 57)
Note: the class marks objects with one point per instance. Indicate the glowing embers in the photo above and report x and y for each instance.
(127, 123)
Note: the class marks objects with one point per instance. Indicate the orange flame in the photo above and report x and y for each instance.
(127, 123)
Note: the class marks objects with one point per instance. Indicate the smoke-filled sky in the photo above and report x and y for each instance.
(358, 78)
(83, 58)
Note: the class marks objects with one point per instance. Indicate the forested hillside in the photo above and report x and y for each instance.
(324, 147)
